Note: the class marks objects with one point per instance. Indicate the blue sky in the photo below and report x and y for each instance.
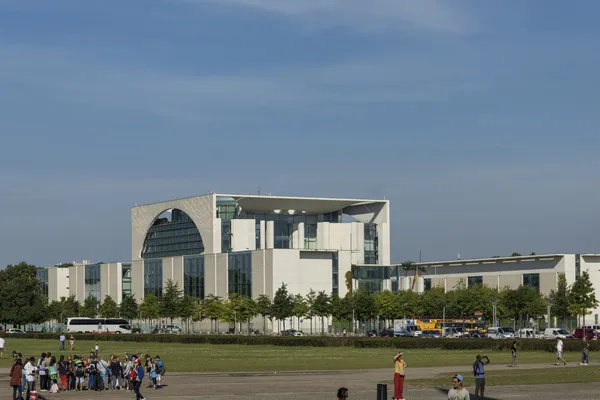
(477, 119)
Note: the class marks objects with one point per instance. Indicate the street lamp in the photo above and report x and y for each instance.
(549, 305)
(494, 310)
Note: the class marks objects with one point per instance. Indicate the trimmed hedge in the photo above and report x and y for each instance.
(327, 341)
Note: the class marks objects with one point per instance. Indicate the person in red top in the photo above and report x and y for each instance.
(399, 366)
(16, 379)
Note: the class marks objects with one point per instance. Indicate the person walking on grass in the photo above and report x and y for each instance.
(71, 342)
(514, 350)
(62, 341)
(16, 379)
(399, 366)
(479, 373)
(585, 352)
(559, 351)
(458, 392)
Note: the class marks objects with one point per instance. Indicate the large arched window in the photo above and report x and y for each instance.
(172, 234)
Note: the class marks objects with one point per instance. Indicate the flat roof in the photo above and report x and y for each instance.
(490, 260)
(269, 203)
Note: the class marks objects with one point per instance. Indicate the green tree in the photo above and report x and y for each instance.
(386, 306)
(407, 304)
(170, 302)
(348, 281)
(433, 302)
(90, 307)
(341, 308)
(322, 308)
(21, 298)
(300, 308)
(522, 302)
(150, 308)
(71, 307)
(54, 311)
(365, 307)
(560, 299)
(187, 310)
(263, 306)
(129, 307)
(282, 304)
(213, 308)
(109, 308)
(583, 296)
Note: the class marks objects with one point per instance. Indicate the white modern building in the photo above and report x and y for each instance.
(247, 244)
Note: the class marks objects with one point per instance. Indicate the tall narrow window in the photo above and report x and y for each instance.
(310, 236)
(240, 273)
(193, 277)
(370, 244)
(153, 277)
(92, 281)
(532, 280)
(427, 284)
(335, 269)
(126, 280)
(42, 276)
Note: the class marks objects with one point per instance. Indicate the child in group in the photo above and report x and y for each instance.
(160, 369)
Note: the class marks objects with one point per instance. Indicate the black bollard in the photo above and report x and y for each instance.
(381, 391)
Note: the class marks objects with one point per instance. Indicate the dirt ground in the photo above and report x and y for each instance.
(309, 385)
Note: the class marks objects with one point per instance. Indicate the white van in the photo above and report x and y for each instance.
(451, 332)
(501, 333)
(526, 333)
(553, 333)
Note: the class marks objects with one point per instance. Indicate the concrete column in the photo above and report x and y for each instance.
(300, 232)
(263, 227)
(270, 235)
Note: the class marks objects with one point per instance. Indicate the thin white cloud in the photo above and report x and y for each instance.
(59, 73)
(435, 15)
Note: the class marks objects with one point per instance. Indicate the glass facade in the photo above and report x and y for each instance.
(474, 280)
(42, 276)
(577, 266)
(240, 273)
(226, 208)
(282, 234)
(335, 271)
(92, 281)
(172, 235)
(310, 236)
(126, 289)
(225, 236)
(193, 276)
(370, 279)
(371, 244)
(153, 277)
(532, 280)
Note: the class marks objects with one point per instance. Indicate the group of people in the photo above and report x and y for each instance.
(92, 373)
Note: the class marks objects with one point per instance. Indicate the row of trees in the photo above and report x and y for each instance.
(22, 302)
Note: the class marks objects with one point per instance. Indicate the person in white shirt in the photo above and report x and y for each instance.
(62, 341)
(1, 348)
(30, 371)
(559, 351)
(458, 392)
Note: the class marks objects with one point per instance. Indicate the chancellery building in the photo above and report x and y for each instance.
(219, 244)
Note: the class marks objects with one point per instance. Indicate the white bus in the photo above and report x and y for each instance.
(98, 325)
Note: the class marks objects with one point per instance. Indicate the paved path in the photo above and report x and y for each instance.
(307, 385)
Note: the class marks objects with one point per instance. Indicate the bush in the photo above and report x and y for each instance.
(327, 341)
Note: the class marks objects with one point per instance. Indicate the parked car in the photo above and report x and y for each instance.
(291, 332)
(14, 331)
(414, 330)
(402, 333)
(501, 333)
(387, 333)
(590, 334)
(476, 334)
(451, 332)
(172, 329)
(431, 334)
(553, 333)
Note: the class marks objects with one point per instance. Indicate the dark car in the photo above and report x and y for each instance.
(590, 334)
(387, 333)
(476, 334)
(430, 334)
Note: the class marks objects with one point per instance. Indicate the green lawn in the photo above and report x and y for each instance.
(516, 376)
(231, 358)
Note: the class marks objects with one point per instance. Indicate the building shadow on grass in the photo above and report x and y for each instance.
(445, 392)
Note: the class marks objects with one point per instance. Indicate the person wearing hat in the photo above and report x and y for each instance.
(458, 392)
(399, 366)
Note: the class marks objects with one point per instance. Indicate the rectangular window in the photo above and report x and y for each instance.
(193, 277)
(153, 277)
(427, 284)
(335, 270)
(370, 279)
(126, 280)
(370, 244)
(240, 273)
(42, 275)
(225, 236)
(532, 280)
(282, 235)
(92, 281)
(310, 236)
(257, 232)
(577, 266)
(474, 280)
